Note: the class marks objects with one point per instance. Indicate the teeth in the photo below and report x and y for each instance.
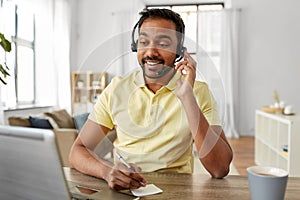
(152, 63)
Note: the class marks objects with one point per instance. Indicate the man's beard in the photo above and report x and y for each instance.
(155, 61)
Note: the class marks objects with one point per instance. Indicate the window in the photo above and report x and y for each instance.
(196, 35)
(25, 57)
(20, 30)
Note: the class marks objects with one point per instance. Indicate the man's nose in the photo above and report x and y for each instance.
(151, 50)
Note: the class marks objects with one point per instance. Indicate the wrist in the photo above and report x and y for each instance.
(104, 170)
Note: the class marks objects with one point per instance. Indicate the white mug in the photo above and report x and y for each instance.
(267, 183)
(288, 110)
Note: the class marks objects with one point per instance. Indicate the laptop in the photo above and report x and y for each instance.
(30, 168)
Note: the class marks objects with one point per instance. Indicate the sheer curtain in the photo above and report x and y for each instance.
(229, 68)
(123, 24)
(218, 36)
(62, 29)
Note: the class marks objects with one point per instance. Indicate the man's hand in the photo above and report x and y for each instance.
(120, 177)
(187, 67)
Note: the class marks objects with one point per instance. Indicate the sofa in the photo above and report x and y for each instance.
(62, 124)
(66, 129)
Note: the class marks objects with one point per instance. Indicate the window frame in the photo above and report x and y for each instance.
(211, 53)
(20, 42)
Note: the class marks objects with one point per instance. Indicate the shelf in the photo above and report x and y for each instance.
(272, 132)
(86, 88)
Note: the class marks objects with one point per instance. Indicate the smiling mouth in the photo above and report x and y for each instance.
(154, 65)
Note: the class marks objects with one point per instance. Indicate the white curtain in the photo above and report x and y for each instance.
(229, 68)
(124, 21)
(218, 36)
(62, 32)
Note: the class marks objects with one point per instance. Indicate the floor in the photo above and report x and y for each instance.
(243, 153)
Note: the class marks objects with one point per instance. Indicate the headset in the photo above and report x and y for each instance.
(180, 48)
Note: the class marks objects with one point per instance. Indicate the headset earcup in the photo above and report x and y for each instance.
(133, 47)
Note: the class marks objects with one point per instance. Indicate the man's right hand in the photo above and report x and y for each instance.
(120, 177)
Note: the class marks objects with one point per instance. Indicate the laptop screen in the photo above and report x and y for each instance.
(30, 167)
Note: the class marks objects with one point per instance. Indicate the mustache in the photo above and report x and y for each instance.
(147, 58)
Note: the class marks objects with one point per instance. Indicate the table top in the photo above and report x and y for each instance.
(186, 186)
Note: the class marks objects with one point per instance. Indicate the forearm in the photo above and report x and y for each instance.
(213, 149)
(87, 162)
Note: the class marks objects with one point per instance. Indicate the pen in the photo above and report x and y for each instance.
(124, 162)
(121, 159)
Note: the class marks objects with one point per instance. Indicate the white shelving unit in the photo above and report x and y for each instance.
(86, 87)
(272, 132)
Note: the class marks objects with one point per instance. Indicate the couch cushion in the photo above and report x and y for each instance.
(19, 121)
(37, 122)
(80, 120)
(51, 121)
(62, 118)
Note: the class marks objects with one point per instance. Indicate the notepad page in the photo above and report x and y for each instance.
(147, 190)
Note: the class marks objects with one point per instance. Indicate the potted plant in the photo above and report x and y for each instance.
(6, 46)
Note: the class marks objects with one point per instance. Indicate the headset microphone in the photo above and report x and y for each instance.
(160, 73)
(163, 71)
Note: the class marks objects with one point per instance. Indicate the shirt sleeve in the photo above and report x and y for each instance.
(207, 103)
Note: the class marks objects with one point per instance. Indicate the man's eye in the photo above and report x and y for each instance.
(143, 43)
(163, 45)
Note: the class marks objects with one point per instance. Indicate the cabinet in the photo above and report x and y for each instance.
(86, 87)
(274, 133)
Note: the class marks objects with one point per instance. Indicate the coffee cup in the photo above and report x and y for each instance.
(267, 183)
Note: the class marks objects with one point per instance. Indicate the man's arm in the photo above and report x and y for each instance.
(86, 161)
(213, 148)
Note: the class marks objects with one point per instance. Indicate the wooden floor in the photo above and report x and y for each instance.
(243, 153)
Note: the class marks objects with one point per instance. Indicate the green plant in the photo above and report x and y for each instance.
(6, 45)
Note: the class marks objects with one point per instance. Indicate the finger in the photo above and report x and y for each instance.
(184, 62)
(185, 68)
(121, 180)
(118, 181)
(137, 179)
(137, 176)
(180, 66)
(190, 59)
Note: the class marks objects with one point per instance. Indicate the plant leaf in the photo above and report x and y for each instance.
(4, 71)
(6, 45)
(2, 81)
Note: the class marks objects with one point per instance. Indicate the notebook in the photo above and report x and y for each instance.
(30, 168)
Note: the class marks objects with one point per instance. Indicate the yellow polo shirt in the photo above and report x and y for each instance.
(152, 129)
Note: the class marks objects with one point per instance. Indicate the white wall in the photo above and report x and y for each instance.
(94, 23)
(269, 47)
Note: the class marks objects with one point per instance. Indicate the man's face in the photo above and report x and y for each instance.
(157, 44)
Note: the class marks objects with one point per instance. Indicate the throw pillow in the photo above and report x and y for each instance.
(40, 123)
(19, 121)
(51, 121)
(62, 118)
(80, 120)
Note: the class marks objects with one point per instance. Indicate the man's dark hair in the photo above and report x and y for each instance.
(165, 14)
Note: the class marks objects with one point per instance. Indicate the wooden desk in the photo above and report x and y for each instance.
(186, 186)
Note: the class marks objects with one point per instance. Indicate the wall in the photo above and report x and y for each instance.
(269, 56)
(269, 47)
(95, 23)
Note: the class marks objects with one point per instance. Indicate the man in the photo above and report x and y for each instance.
(158, 112)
